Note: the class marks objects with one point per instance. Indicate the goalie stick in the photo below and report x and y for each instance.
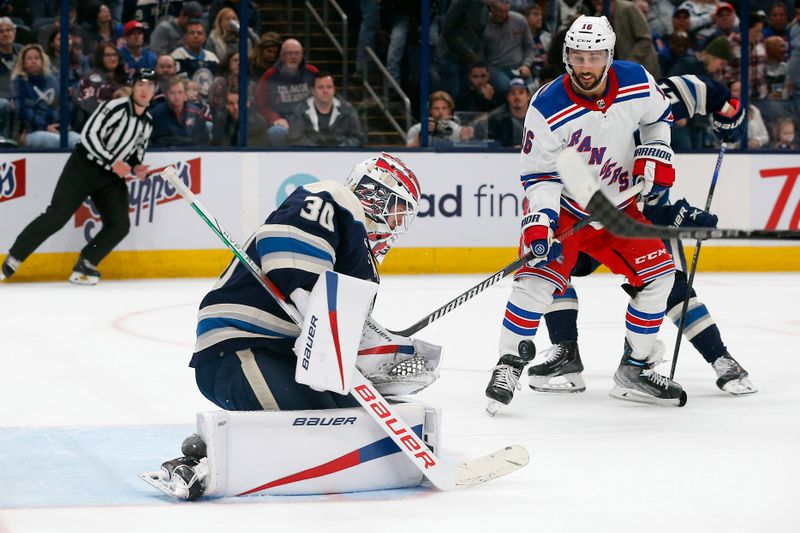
(442, 476)
(583, 187)
(497, 276)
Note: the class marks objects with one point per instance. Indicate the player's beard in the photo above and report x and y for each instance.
(586, 85)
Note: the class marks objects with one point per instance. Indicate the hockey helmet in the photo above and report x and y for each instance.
(389, 193)
(590, 34)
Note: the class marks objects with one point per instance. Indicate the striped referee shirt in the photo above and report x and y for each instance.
(114, 132)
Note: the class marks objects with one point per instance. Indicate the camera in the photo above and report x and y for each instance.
(444, 128)
(234, 25)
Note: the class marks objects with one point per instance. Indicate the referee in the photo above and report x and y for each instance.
(112, 147)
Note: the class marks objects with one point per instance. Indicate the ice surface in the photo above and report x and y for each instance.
(95, 388)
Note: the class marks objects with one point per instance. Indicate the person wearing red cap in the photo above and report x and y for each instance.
(726, 23)
(133, 52)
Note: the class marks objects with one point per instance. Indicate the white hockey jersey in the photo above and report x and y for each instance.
(601, 130)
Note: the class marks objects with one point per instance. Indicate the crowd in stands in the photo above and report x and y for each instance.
(488, 57)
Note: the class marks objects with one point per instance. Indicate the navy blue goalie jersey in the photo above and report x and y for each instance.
(318, 227)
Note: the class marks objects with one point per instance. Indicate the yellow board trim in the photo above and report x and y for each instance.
(211, 263)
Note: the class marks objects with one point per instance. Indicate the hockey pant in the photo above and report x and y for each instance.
(644, 262)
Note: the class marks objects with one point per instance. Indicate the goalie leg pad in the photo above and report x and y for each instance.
(307, 452)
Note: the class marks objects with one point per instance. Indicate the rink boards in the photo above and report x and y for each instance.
(468, 221)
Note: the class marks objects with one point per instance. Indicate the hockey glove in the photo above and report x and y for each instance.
(537, 236)
(729, 121)
(652, 163)
(680, 215)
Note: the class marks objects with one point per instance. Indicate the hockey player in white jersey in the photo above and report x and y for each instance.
(595, 109)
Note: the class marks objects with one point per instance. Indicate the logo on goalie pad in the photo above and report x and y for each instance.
(324, 421)
(309, 342)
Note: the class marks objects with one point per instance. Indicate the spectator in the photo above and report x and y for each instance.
(78, 63)
(659, 16)
(681, 21)
(253, 12)
(134, 54)
(506, 123)
(78, 33)
(398, 18)
(224, 36)
(460, 46)
(678, 48)
(757, 70)
(507, 46)
(177, 121)
(101, 28)
(757, 134)
(634, 38)
(35, 93)
(323, 119)
(225, 131)
(479, 95)
(541, 38)
(99, 85)
(166, 68)
(725, 23)
(9, 51)
(227, 79)
(777, 21)
(776, 69)
(442, 126)
(265, 54)
(561, 13)
(282, 87)
(793, 65)
(170, 30)
(195, 62)
(367, 32)
(701, 17)
(785, 134)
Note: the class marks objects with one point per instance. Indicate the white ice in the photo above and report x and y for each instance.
(94, 387)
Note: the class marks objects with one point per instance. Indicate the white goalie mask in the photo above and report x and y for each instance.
(390, 194)
(590, 34)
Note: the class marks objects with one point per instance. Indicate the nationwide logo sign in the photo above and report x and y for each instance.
(12, 180)
(144, 196)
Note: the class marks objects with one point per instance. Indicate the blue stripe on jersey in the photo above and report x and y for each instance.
(270, 245)
(208, 324)
(632, 97)
(570, 118)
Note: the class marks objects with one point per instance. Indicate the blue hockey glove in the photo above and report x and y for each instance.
(684, 215)
(729, 121)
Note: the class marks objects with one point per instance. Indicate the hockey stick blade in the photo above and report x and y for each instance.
(444, 477)
(489, 467)
(497, 276)
(582, 186)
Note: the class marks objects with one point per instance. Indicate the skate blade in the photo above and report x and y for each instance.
(155, 480)
(493, 407)
(560, 384)
(739, 387)
(82, 279)
(630, 395)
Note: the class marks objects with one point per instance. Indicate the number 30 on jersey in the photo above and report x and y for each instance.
(318, 210)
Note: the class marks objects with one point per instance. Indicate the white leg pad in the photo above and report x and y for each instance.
(307, 452)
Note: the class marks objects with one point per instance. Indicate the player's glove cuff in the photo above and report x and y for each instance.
(729, 121)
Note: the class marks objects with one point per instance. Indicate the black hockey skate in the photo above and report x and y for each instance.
(180, 478)
(84, 273)
(637, 381)
(10, 265)
(194, 446)
(731, 377)
(505, 376)
(561, 372)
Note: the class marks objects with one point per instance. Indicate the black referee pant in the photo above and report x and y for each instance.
(80, 179)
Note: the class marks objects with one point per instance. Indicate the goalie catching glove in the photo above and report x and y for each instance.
(652, 163)
(538, 237)
(397, 365)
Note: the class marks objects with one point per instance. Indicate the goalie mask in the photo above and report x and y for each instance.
(389, 193)
(589, 34)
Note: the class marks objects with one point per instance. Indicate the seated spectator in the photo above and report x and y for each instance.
(681, 22)
(35, 92)
(282, 87)
(265, 54)
(227, 79)
(777, 21)
(178, 122)
(757, 71)
(224, 36)
(678, 48)
(225, 131)
(170, 30)
(134, 54)
(701, 17)
(541, 38)
(443, 128)
(100, 27)
(507, 46)
(9, 50)
(79, 34)
(506, 123)
(323, 119)
(479, 95)
(785, 134)
(659, 16)
(166, 68)
(78, 63)
(725, 23)
(195, 62)
(98, 85)
(254, 12)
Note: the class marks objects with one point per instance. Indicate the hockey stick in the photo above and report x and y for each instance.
(445, 477)
(692, 270)
(582, 186)
(500, 274)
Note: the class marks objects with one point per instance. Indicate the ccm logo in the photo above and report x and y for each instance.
(650, 256)
(409, 439)
(324, 421)
(312, 330)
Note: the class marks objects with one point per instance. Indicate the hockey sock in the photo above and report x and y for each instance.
(562, 325)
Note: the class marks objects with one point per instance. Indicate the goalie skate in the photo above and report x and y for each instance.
(561, 372)
(505, 377)
(731, 377)
(637, 381)
(180, 478)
